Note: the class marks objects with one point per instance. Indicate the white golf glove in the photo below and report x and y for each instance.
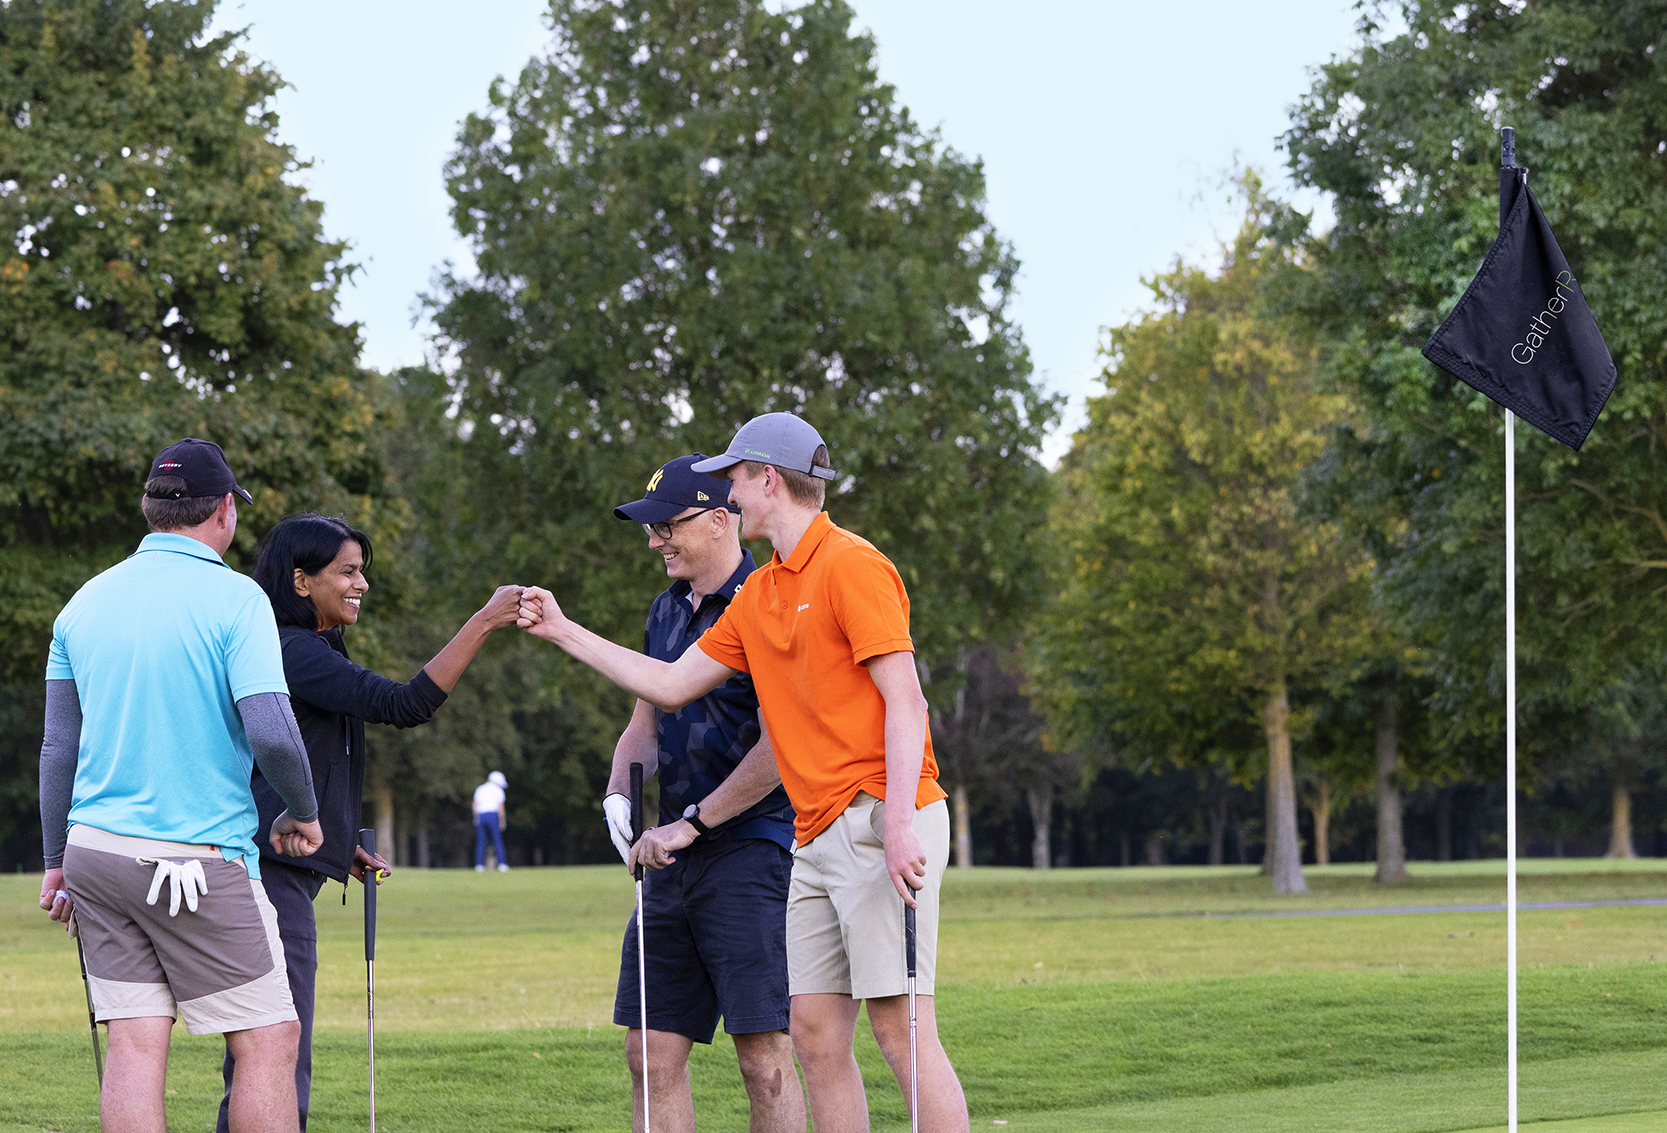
(617, 809)
(182, 877)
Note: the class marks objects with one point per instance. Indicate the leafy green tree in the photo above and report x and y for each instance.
(162, 276)
(1402, 133)
(682, 216)
(1192, 596)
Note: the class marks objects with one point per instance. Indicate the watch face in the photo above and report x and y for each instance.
(691, 810)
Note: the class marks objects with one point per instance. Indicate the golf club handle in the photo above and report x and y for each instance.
(367, 839)
(636, 811)
(1507, 147)
(909, 938)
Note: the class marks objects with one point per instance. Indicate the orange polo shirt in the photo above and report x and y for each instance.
(804, 629)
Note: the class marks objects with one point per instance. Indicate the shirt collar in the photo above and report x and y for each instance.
(180, 544)
(746, 567)
(808, 542)
(681, 588)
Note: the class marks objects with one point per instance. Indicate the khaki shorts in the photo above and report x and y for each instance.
(218, 969)
(844, 917)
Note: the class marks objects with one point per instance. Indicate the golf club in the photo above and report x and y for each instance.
(92, 1022)
(914, 1066)
(367, 839)
(642, 978)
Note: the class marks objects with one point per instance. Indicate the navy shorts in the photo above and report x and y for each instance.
(716, 942)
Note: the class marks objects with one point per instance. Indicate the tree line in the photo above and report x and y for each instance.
(1254, 613)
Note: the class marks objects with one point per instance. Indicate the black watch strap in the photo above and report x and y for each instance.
(691, 815)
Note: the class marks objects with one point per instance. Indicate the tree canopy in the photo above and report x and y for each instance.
(1192, 595)
(682, 217)
(163, 276)
(1403, 133)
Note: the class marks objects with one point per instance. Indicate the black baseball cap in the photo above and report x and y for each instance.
(674, 487)
(202, 465)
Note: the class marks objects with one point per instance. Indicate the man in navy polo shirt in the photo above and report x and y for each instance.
(715, 909)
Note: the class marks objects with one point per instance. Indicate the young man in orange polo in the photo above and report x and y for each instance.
(823, 629)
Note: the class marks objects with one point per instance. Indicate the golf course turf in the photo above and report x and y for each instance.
(1070, 1000)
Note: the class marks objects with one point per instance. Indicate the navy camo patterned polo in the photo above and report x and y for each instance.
(707, 740)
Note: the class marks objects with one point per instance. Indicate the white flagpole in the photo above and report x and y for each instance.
(1511, 763)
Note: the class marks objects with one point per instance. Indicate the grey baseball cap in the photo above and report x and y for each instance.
(780, 439)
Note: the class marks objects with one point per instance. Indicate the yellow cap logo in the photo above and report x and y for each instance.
(654, 481)
(702, 496)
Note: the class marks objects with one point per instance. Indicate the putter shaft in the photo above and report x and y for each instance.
(642, 951)
(92, 1019)
(370, 1018)
(367, 840)
(642, 1003)
(914, 1054)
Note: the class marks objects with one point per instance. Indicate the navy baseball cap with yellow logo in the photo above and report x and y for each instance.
(673, 488)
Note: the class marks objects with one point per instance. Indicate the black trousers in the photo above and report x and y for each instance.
(291, 892)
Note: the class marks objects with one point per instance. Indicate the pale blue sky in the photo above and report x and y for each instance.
(1106, 130)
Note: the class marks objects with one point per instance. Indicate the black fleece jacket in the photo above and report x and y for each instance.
(332, 698)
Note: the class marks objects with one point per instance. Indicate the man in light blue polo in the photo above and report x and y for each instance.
(165, 687)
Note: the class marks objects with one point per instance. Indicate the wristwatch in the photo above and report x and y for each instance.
(691, 815)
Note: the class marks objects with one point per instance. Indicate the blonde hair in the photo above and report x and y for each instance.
(802, 487)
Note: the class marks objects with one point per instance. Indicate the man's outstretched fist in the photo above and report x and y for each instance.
(540, 615)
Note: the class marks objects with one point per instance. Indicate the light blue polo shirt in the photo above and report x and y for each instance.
(161, 647)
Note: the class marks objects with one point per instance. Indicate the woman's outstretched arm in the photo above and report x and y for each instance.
(499, 612)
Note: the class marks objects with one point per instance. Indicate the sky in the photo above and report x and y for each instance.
(1108, 131)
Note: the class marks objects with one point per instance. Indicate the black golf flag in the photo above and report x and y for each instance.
(1522, 334)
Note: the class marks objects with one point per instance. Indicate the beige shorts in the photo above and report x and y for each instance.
(218, 969)
(844, 917)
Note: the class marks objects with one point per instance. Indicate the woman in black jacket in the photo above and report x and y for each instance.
(312, 567)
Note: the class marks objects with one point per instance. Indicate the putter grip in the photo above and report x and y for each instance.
(367, 839)
(636, 810)
(909, 938)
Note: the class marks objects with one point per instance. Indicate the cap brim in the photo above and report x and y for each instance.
(716, 463)
(243, 492)
(648, 511)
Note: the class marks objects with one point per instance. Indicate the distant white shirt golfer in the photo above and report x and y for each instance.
(489, 817)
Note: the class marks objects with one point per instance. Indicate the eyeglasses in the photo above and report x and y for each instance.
(665, 530)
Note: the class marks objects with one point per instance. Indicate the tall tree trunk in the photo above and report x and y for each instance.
(382, 805)
(1392, 849)
(1123, 847)
(422, 845)
(1152, 850)
(1041, 812)
(1444, 825)
(1620, 830)
(1322, 824)
(1284, 856)
(963, 827)
(1217, 815)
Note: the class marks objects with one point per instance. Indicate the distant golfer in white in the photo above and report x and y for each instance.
(489, 816)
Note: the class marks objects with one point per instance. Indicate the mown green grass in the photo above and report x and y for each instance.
(1079, 1000)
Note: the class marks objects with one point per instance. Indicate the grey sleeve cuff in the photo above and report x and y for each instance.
(59, 751)
(279, 753)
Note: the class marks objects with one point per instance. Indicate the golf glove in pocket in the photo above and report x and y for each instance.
(617, 809)
(183, 878)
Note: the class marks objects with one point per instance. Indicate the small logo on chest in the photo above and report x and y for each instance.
(803, 607)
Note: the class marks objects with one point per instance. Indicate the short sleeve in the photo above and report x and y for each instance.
(58, 667)
(723, 641)
(254, 659)
(869, 601)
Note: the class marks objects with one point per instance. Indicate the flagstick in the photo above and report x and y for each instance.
(1511, 763)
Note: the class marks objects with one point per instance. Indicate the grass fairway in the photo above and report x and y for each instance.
(1118, 1000)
